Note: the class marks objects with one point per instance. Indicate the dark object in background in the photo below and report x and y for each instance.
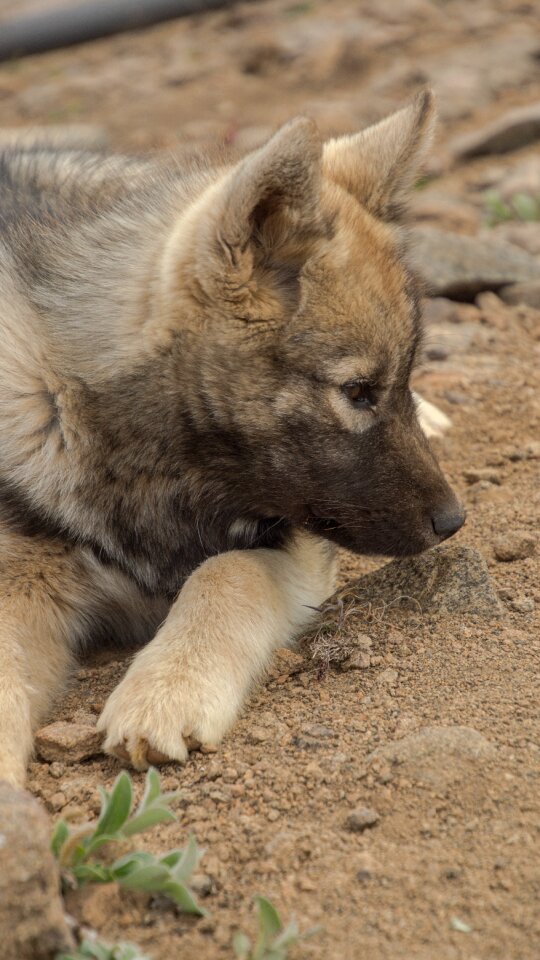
(66, 26)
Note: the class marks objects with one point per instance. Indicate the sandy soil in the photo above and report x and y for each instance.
(458, 840)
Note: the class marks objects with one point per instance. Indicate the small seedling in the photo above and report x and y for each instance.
(95, 950)
(273, 939)
(168, 875)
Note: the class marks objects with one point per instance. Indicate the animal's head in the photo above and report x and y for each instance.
(304, 329)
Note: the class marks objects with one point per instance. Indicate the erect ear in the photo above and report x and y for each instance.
(260, 224)
(284, 173)
(379, 165)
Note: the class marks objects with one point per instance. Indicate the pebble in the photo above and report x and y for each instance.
(474, 476)
(57, 769)
(522, 604)
(514, 546)
(318, 731)
(358, 660)
(388, 676)
(259, 735)
(361, 819)
(68, 742)
(530, 452)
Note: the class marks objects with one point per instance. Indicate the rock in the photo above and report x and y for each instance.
(358, 660)
(514, 546)
(388, 676)
(259, 735)
(461, 267)
(530, 452)
(361, 819)
(68, 742)
(516, 293)
(31, 913)
(486, 473)
(449, 579)
(524, 235)
(522, 604)
(286, 663)
(513, 130)
(318, 731)
(436, 755)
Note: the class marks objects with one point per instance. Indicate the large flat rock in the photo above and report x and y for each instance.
(461, 267)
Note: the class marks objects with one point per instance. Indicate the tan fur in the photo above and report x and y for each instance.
(188, 685)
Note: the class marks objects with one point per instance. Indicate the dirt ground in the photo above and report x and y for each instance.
(451, 869)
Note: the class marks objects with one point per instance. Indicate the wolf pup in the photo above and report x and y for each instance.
(204, 387)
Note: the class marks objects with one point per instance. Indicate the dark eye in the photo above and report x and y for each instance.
(360, 393)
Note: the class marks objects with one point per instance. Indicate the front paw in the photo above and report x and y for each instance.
(151, 720)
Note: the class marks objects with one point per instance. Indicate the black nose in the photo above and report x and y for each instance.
(447, 521)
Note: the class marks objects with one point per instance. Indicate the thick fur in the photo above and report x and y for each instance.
(179, 445)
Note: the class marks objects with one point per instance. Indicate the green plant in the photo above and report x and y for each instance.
(168, 875)
(273, 939)
(521, 206)
(95, 950)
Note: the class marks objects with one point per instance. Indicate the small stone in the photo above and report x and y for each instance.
(475, 476)
(201, 884)
(388, 676)
(530, 452)
(305, 884)
(361, 819)
(273, 816)
(514, 546)
(522, 604)
(364, 642)
(68, 742)
(56, 802)
(230, 775)
(57, 770)
(358, 660)
(259, 735)
(31, 912)
(318, 731)
(286, 663)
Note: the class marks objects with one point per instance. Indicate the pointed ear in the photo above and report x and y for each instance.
(379, 165)
(281, 178)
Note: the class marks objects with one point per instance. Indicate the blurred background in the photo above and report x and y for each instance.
(232, 75)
